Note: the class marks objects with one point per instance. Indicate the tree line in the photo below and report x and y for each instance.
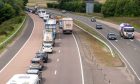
(110, 8)
(129, 8)
(11, 8)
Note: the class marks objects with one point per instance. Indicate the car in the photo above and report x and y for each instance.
(99, 26)
(111, 36)
(63, 11)
(37, 63)
(34, 71)
(43, 55)
(93, 19)
(47, 47)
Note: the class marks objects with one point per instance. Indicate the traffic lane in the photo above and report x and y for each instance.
(21, 61)
(69, 70)
(64, 67)
(13, 49)
(130, 54)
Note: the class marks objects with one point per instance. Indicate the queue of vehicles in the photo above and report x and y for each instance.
(34, 73)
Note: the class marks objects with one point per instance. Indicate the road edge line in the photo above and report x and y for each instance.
(82, 72)
(19, 49)
(122, 56)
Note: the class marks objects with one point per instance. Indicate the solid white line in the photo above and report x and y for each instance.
(55, 72)
(99, 40)
(18, 51)
(120, 54)
(82, 73)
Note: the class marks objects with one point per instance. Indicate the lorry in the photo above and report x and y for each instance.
(50, 25)
(67, 25)
(24, 79)
(126, 31)
(48, 38)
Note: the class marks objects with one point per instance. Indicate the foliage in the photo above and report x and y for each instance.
(10, 9)
(9, 25)
(121, 8)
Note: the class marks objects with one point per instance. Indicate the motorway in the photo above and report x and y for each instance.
(128, 48)
(63, 67)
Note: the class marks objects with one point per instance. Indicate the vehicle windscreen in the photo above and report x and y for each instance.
(129, 29)
(35, 61)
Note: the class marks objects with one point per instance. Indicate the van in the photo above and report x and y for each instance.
(41, 13)
(24, 79)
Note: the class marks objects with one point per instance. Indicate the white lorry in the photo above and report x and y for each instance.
(67, 25)
(48, 38)
(51, 25)
(126, 31)
(24, 79)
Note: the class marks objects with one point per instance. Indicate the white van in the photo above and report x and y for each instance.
(24, 79)
(41, 12)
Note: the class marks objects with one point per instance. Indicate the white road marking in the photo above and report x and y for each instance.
(82, 73)
(118, 51)
(59, 39)
(55, 72)
(116, 40)
(18, 51)
(59, 51)
(131, 40)
(57, 60)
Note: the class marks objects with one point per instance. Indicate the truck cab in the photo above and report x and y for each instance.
(126, 31)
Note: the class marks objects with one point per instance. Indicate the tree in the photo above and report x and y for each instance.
(6, 12)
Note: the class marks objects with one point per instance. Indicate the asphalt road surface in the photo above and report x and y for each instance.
(21, 60)
(130, 49)
(17, 44)
(64, 65)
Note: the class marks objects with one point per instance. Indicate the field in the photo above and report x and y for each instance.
(40, 3)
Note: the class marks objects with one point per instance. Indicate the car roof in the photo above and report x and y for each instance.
(36, 59)
(32, 71)
(23, 79)
(111, 33)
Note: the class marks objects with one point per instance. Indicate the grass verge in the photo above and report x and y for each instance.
(101, 52)
(9, 34)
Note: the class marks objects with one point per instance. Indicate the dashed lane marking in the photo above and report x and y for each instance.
(57, 60)
(55, 72)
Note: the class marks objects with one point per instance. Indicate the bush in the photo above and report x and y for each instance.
(9, 25)
(97, 7)
(121, 8)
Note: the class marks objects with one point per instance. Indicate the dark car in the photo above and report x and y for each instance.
(37, 63)
(35, 71)
(43, 55)
(111, 36)
(99, 26)
(93, 19)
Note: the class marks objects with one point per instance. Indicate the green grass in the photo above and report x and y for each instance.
(16, 26)
(101, 52)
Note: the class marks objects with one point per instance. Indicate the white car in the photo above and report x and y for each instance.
(47, 47)
(46, 17)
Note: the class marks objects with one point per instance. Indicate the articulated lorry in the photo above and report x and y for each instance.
(67, 24)
(126, 31)
(50, 25)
